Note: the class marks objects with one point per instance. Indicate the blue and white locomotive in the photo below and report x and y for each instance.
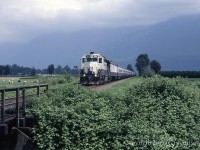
(96, 69)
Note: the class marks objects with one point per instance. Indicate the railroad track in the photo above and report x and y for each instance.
(106, 85)
(11, 102)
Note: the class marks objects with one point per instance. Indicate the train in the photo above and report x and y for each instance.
(96, 69)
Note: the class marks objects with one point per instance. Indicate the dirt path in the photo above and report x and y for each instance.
(107, 85)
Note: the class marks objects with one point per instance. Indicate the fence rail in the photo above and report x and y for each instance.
(18, 101)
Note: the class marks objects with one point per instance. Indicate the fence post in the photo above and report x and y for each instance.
(38, 90)
(47, 88)
(17, 107)
(23, 102)
(3, 106)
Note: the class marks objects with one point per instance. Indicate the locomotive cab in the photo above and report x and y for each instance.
(92, 66)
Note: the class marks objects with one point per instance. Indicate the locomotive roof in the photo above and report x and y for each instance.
(94, 54)
(104, 58)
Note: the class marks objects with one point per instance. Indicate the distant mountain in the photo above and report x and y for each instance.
(174, 43)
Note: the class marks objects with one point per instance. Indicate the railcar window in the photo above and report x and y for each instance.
(100, 60)
(91, 59)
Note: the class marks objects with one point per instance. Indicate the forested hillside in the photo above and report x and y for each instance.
(174, 43)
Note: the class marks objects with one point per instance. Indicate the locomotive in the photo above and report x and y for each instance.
(96, 69)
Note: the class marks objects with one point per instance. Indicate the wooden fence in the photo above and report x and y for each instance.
(17, 101)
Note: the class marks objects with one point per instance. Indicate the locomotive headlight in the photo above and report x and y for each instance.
(84, 75)
(95, 75)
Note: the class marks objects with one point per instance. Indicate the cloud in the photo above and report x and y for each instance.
(25, 19)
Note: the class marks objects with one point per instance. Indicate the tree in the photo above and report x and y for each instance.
(129, 67)
(59, 69)
(142, 61)
(51, 69)
(155, 66)
(67, 69)
(7, 70)
(1, 69)
(33, 71)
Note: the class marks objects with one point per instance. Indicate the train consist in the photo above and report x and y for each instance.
(96, 69)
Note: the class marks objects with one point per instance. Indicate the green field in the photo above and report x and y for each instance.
(17, 81)
(140, 113)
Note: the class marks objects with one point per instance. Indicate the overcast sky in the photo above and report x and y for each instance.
(22, 20)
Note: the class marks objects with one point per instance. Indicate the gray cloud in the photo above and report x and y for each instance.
(23, 20)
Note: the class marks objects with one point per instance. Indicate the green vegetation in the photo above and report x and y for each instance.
(146, 68)
(142, 62)
(4, 82)
(51, 69)
(141, 113)
(155, 66)
(16, 70)
(129, 67)
(19, 82)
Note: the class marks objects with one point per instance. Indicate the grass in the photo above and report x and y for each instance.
(4, 82)
(52, 81)
(17, 82)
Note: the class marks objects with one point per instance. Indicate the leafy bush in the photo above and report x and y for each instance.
(54, 80)
(146, 72)
(146, 113)
(168, 112)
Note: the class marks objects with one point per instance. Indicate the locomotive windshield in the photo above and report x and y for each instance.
(91, 59)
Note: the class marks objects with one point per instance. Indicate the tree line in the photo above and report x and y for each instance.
(185, 74)
(144, 66)
(18, 70)
(147, 68)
